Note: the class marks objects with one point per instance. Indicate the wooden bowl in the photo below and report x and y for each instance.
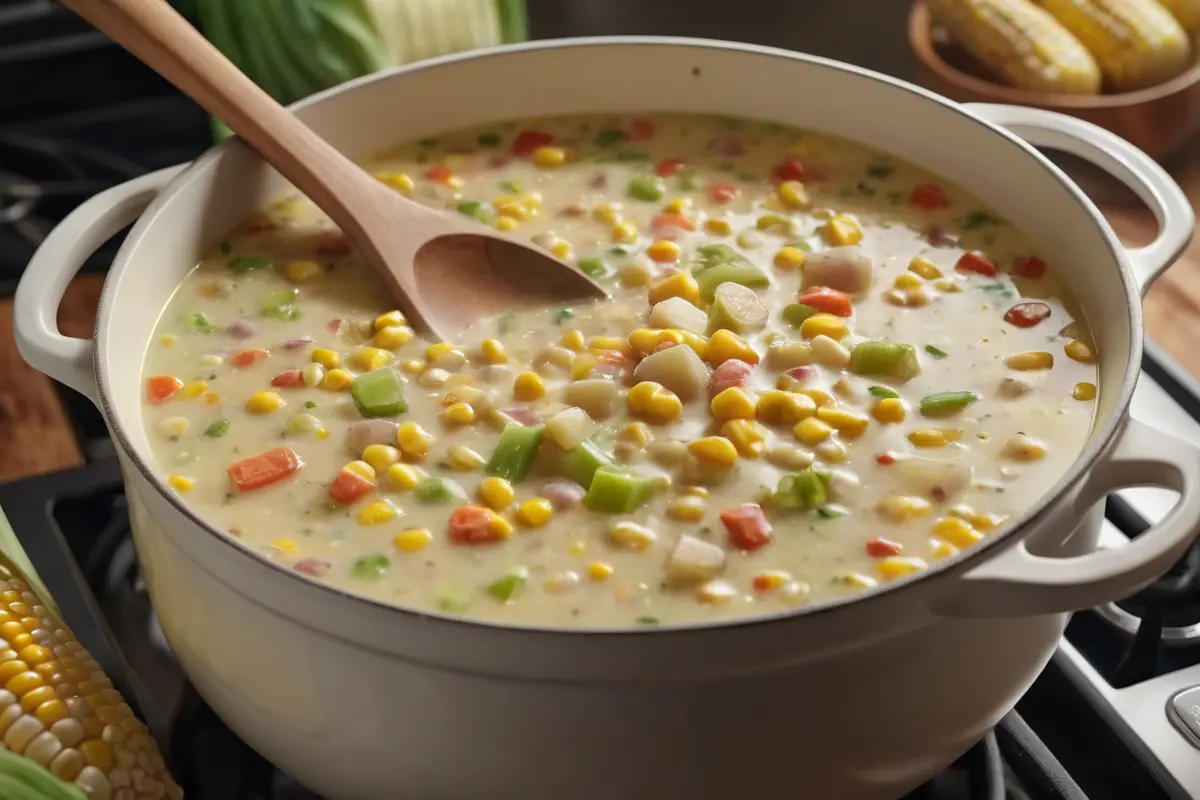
(1160, 120)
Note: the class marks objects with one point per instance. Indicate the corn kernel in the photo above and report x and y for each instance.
(174, 427)
(391, 319)
(841, 231)
(609, 213)
(1034, 359)
(398, 181)
(1078, 350)
(528, 386)
(654, 402)
(264, 403)
(715, 592)
(925, 268)
(464, 459)
(403, 477)
(906, 280)
(812, 431)
(820, 397)
(681, 284)
(337, 380)
(496, 493)
(776, 407)
(832, 451)
(1023, 448)
(901, 508)
(362, 469)
(191, 390)
(725, 345)
(939, 549)
(535, 513)
(380, 456)
(793, 194)
(549, 157)
(747, 436)
(770, 580)
(678, 205)
(573, 340)
(889, 410)
(849, 424)
(957, 532)
(301, 271)
(928, 437)
(624, 233)
(790, 258)
(630, 535)
(413, 366)
(733, 403)
(506, 224)
(458, 414)
(499, 527)
(1084, 391)
(329, 359)
(634, 276)
(788, 457)
(393, 337)
(370, 358)
(635, 433)
(412, 540)
(895, 567)
(718, 227)
(663, 252)
(181, 484)
(688, 508)
(286, 546)
(599, 571)
(609, 343)
(561, 249)
(377, 513)
(521, 206)
(413, 440)
(167, 341)
(824, 325)
(716, 451)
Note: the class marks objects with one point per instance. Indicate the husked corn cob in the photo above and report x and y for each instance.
(1186, 12)
(1021, 43)
(1137, 43)
(59, 710)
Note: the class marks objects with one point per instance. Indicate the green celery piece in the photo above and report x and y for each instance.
(217, 429)
(476, 210)
(583, 460)
(593, 267)
(614, 491)
(885, 359)
(281, 306)
(370, 567)
(505, 589)
(687, 180)
(515, 451)
(379, 393)
(240, 265)
(646, 187)
(745, 274)
(454, 599)
(438, 490)
(804, 489)
(944, 404)
(710, 255)
(794, 314)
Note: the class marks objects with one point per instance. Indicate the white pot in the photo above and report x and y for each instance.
(864, 698)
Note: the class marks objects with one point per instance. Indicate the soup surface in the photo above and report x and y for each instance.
(820, 369)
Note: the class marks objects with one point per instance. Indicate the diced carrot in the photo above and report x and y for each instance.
(349, 486)
(640, 129)
(613, 358)
(747, 525)
(264, 469)
(790, 170)
(1026, 315)
(472, 525)
(668, 167)
(928, 197)
(722, 192)
(880, 547)
(211, 398)
(244, 358)
(885, 459)
(528, 141)
(977, 263)
(288, 379)
(332, 243)
(439, 174)
(826, 300)
(160, 387)
(668, 225)
(1031, 267)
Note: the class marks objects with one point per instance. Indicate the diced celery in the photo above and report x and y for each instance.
(240, 265)
(885, 359)
(582, 461)
(379, 393)
(454, 599)
(710, 255)
(687, 180)
(370, 567)
(794, 314)
(281, 306)
(945, 403)
(615, 492)
(217, 429)
(506, 588)
(801, 490)
(736, 308)
(475, 210)
(646, 187)
(745, 274)
(515, 451)
(593, 267)
(438, 490)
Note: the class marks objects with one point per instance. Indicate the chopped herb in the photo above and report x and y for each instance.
(199, 323)
(507, 323)
(647, 620)
(370, 567)
(936, 352)
(830, 512)
(593, 267)
(609, 137)
(488, 139)
(865, 189)
(217, 429)
(563, 315)
(880, 170)
(882, 391)
(618, 251)
(428, 143)
(240, 265)
(978, 219)
(510, 186)
(476, 210)
(226, 247)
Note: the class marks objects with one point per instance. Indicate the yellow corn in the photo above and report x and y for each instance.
(681, 284)
(823, 325)
(663, 252)
(733, 403)
(191, 390)
(654, 402)
(301, 271)
(391, 319)
(792, 194)
(464, 459)
(900, 508)
(1034, 359)
(264, 403)
(599, 571)
(635, 433)
(500, 527)
(1084, 391)
(573, 340)
(848, 423)
(718, 227)
(790, 258)
(939, 549)
(1024, 448)
(906, 280)
(630, 535)
(393, 337)
(412, 540)
(624, 233)
(677, 205)
(458, 414)
(726, 344)
(832, 451)
(812, 431)
(496, 493)
(493, 352)
(925, 268)
(521, 206)
(380, 456)
(535, 513)
(1187, 12)
(773, 223)
(1022, 43)
(329, 359)
(413, 440)
(337, 380)
(889, 410)
(956, 531)
(549, 157)
(181, 484)
(928, 437)
(842, 230)
(59, 709)
(1077, 350)
(819, 396)
(777, 407)
(506, 224)
(561, 249)
(403, 477)
(528, 386)
(895, 567)
(377, 513)
(688, 508)
(747, 436)
(1137, 43)
(361, 469)
(398, 181)
(714, 451)
(609, 343)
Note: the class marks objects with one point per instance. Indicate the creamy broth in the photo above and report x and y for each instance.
(821, 369)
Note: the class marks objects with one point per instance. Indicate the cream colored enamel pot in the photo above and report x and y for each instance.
(857, 699)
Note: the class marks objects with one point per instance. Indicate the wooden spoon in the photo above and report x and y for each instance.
(445, 270)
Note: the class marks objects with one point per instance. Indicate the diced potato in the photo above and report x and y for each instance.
(678, 368)
(569, 427)
(938, 480)
(694, 561)
(677, 313)
(597, 396)
(736, 308)
(847, 269)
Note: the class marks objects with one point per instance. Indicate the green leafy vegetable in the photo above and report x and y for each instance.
(945, 403)
(979, 219)
(608, 138)
(199, 323)
(936, 352)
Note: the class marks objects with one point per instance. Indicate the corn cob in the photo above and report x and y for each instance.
(1137, 43)
(1025, 46)
(59, 710)
(1187, 12)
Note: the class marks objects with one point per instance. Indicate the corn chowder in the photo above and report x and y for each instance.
(820, 369)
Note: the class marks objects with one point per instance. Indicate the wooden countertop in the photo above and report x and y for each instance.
(35, 436)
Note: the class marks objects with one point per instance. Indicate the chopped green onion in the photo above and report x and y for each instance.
(936, 352)
(454, 599)
(379, 393)
(488, 140)
(515, 451)
(593, 267)
(438, 490)
(615, 492)
(978, 219)
(646, 187)
(582, 461)
(687, 180)
(370, 567)
(618, 251)
(647, 620)
(241, 265)
(217, 428)
(609, 137)
(281, 306)
(310, 403)
(563, 315)
(794, 314)
(882, 391)
(506, 588)
(944, 404)
(199, 323)
(831, 512)
(885, 359)
(476, 210)
(801, 490)
(512, 187)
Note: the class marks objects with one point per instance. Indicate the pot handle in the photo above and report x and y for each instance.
(35, 319)
(1118, 158)
(1017, 582)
